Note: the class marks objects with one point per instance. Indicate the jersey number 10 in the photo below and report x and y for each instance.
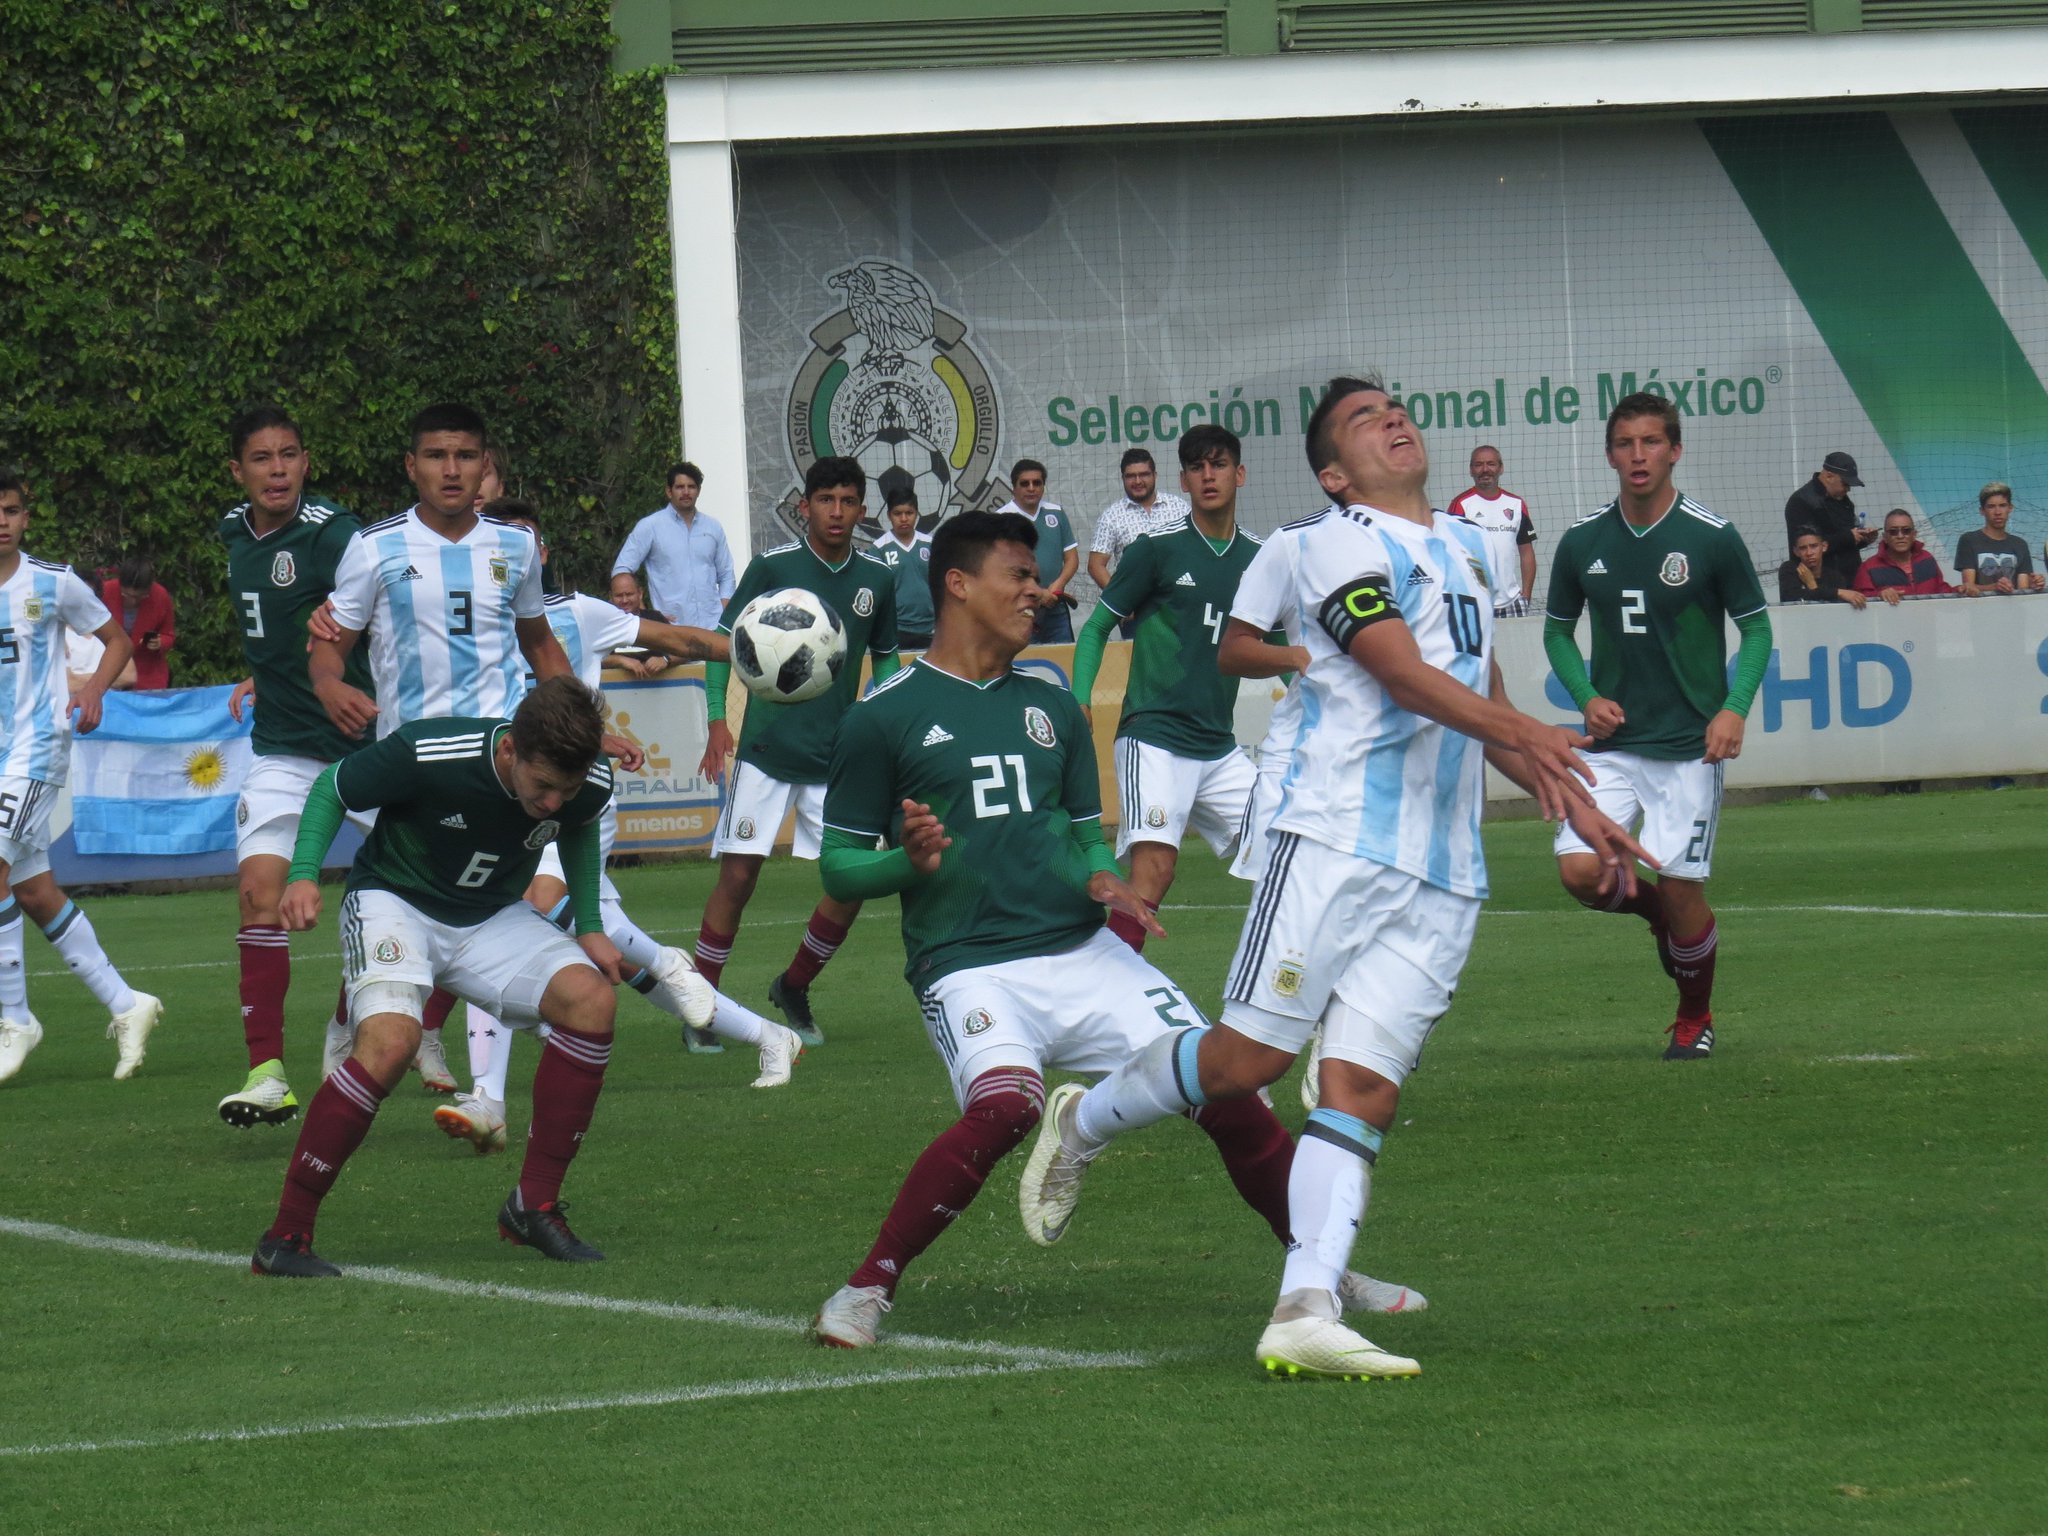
(1467, 633)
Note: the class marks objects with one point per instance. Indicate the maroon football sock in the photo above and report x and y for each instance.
(1647, 903)
(1002, 1107)
(821, 941)
(1692, 967)
(1129, 929)
(565, 1089)
(713, 950)
(336, 1122)
(266, 957)
(440, 1004)
(1257, 1153)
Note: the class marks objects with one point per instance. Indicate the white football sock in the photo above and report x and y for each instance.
(490, 1054)
(737, 1022)
(70, 933)
(1144, 1090)
(638, 948)
(13, 974)
(1327, 1191)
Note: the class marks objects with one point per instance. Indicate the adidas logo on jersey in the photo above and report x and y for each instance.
(1597, 568)
(411, 573)
(1186, 580)
(1420, 578)
(456, 822)
(937, 734)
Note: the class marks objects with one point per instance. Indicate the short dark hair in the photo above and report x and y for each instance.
(1025, 466)
(899, 494)
(12, 479)
(1321, 442)
(259, 418)
(449, 417)
(963, 542)
(685, 467)
(1201, 443)
(1995, 488)
(1807, 531)
(136, 572)
(1902, 512)
(1482, 448)
(514, 509)
(833, 471)
(1643, 403)
(560, 723)
(1134, 456)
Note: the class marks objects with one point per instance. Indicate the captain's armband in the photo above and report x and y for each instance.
(1357, 603)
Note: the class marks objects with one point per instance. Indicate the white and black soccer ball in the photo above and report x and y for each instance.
(788, 645)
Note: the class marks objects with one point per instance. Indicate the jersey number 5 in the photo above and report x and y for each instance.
(10, 648)
(992, 783)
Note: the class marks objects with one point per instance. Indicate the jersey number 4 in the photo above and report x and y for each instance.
(990, 780)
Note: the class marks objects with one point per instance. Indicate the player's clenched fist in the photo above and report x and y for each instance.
(300, 906)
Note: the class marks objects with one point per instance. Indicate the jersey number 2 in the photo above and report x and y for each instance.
(1633, 606)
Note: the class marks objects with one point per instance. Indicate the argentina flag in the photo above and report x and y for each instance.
(161, 774)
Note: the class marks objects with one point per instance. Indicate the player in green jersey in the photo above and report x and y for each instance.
(785, 749)
(435, 898)
(1178, 764)
(282, 549)
(1661, 576)
(981, 778)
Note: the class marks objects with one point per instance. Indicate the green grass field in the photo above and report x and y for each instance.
(1796, 1288)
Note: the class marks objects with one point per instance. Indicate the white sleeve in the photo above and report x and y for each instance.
(530, 601)
(78, 605)
(1265, 592)
(606, 628)
(355, 586)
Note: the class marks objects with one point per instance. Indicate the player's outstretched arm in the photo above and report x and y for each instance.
(1106, 884)
(685, 642)
(1246, 651)
(854, 869)
(543, 652)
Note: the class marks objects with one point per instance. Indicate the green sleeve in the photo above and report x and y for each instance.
(882, 634)
(1080, 789)
(886, 665)
(319, 822)
(1088, 838)
(717, 679)
(718, 674)
(1567, 599)
(1088, 650)
(1561, 646)
(1131, 583)
(1751, 661)
(854, 869)
(582, 867)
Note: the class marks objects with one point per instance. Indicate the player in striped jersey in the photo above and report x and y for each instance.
(435, 899)
(1364, 912)
(1662, 576)
(591, 629)
(39, 602)
(452, 602)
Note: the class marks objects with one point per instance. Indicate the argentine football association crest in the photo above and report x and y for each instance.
(1038, 726)
(1287, 979)
(1675, 570)
(864, 602)
(501, 570)
(543, 834)
(284, 570)
(891, 381)
(979, 1021)
(32, 608)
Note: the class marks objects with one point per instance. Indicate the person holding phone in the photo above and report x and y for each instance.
(138, 599)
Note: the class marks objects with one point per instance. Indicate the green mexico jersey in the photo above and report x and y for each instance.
(1660, 598)
(1008, 766)
(793, 742)
(451, 837)
(1180, 586)
(276, 580)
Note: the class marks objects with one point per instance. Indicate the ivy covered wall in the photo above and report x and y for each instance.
(353, 210)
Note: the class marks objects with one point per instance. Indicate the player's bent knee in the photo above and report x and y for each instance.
(1007, 1104)
(579, 998)
(1580, 873)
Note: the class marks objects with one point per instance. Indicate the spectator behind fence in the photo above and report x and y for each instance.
(1903, 567)
(1805, 578)
(689, 563)
(1059, 555)
(635, 660)
(909, 554)
(135, 597)
(1510, 537)
(1143, 508)
(1823, 505)
(1991, 560)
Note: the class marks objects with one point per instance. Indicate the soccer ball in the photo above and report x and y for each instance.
(788, 645)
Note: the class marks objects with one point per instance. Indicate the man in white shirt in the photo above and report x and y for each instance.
(1143, 508)
(1510, 537)
(689, 563)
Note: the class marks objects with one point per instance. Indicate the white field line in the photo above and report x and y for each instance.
(1573, 911)
(729, 1317)
(709, 1392)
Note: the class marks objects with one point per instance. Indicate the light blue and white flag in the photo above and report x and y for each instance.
(161, 775)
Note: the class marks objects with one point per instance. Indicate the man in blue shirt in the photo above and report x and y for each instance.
(689, 565)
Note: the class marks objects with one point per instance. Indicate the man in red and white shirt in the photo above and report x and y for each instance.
(1510, 537)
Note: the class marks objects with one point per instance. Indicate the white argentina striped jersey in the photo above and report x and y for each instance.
(440, 615)
(37, 604)
(1364, 775)
(1267, 595)
(590, 629)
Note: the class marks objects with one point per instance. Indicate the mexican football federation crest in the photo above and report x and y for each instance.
(1038, 726)
(1675, 570)
(284, 570)
(864, 602)
(979, 1021)
(891, 381)
(543, 834)
(388, 952)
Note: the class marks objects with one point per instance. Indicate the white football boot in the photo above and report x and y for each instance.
(131, 1030)
(431, 1062)
(476, 1120)
(1358, 1292)
(852, 1316)
(1051, 1186)
(17, 1038)
(780, 1048)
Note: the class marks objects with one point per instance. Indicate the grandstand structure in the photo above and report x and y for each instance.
(943, 234)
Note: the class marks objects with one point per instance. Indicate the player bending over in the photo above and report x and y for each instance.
(1374, 873)
(1661, 576)
(435, 899)
(1178, 763)
(983, 780)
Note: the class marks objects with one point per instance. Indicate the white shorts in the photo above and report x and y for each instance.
(1371, 953)
(1164, 797)
(1259, 811)
(607, 834)
(502, 964)
(1677, 804)
(1088, 1009)
(25, 806)
(273, 798)
(754, 807)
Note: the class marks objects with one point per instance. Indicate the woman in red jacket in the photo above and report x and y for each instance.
(1902, 566)
(144, 609)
